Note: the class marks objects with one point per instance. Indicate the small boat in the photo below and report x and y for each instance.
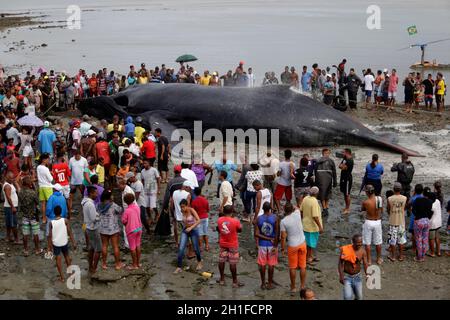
(430, 65)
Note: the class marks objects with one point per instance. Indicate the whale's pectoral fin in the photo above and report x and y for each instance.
(155, 120)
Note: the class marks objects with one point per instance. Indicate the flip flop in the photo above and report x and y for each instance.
(222, 283)
(430, 255)
(38, 253)
(104, 267)
(238, 285)
(119, 267)
(270, 287)
(26, 253)
(392, 259)
(401, 259)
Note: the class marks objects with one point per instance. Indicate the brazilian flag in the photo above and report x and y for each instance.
(412, 30)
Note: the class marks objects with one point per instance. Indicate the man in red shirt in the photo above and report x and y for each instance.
(102, 150)
(61, 174)
(148, 149)
(228, 227)
(12, 163)
(201, 205)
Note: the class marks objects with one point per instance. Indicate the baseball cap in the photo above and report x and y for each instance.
(370, 188)
(86, 117)
(329, 75)
(177, 168)
(46, 124)
(129, 175)
(91, 132)
(385, 70)
(188, 184)
(57, 187)
(241, 62)
(397, 186)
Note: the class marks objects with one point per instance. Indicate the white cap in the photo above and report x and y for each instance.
(129, 175)
(46, 124)
(385, 70)
(57, 187)
(187, 183)
(91, 132)
(329, 75)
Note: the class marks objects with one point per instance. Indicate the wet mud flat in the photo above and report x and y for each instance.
(33, 277)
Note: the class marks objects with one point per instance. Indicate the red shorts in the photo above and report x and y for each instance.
(280, 190)
(134, 240)
(230, 255)
(267, 256)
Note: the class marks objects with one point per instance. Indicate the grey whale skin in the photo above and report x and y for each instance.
(302, 121)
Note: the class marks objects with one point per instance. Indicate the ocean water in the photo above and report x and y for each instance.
(265, 34)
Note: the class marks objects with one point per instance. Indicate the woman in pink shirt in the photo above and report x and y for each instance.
(133, 227)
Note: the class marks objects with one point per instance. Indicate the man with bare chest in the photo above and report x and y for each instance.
(349, 268)
(372, 231)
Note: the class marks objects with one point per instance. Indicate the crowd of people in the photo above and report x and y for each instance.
(46, 90)
(284, 203)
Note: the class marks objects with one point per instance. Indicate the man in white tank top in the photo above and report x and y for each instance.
(10, 207)
(59, 234)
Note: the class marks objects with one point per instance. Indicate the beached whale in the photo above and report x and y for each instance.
(302, 121)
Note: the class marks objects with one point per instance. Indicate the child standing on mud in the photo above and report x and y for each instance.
(133, 227)
(60, 232)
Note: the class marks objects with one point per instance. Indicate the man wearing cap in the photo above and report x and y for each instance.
(174, 184)
(397, 233)
(138, 189)
(87, 145)
(85, 126)
(177, 196)
(47, 140)
(76, 135)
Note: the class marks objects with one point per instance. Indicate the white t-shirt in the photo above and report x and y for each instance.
(177, 196)
(139, 187)
(292, 225)
(265, 197)
(368, 82)
(436, 218)
(226, 190)
(77, 170)
(125, 191)
(44, 176)
(76, 136)
(190, 176)
(149, 178)
(13, 133)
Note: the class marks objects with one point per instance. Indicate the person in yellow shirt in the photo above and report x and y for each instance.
(204, 81)
(138, 132)
(116, 120)
(440, 91)
(312, 223)
(143, 78)
(100, 170)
